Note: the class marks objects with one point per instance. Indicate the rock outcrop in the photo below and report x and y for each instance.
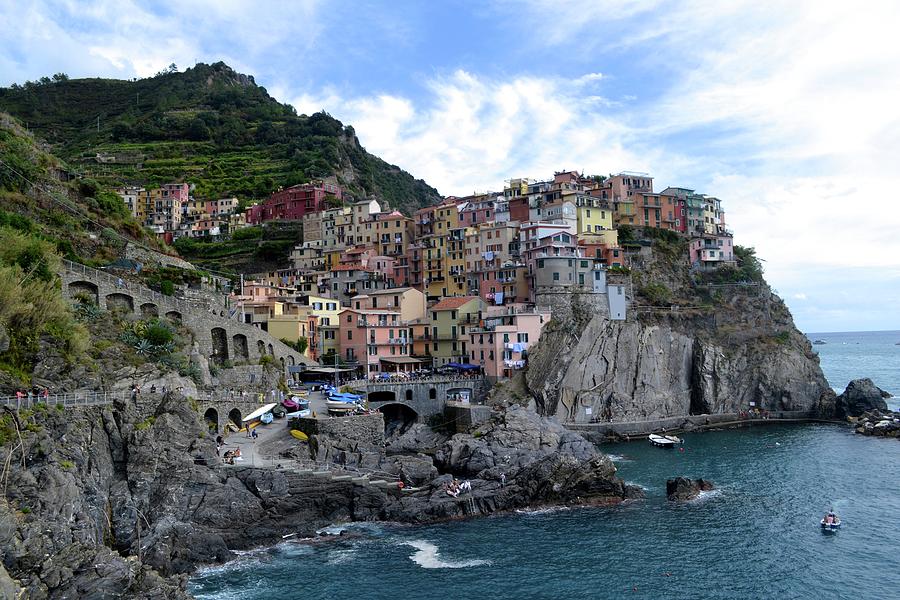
(682, 489)
(740, 354)
(861, 396)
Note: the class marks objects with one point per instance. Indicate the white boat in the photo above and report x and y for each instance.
(259, 412)
(664, 441)
(341, 407)
(833, 526)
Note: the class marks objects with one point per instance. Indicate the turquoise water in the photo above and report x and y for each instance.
(850, 355)
(755, 536)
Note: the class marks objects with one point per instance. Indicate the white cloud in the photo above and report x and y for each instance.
(473, 132)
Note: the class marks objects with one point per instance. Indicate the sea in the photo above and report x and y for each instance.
(756, 535)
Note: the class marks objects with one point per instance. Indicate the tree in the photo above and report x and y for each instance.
(197, 131)
(57, 77)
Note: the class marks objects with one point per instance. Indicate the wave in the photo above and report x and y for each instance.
(705, 495)
(541, 511)
(428, 557)
(618, 458)
(640, 485)
(339, 557)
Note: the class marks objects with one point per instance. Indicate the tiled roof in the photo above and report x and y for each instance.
(453, 303)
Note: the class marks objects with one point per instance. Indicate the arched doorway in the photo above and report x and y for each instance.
(397, 418)
(409, 394)
(211, 416)
(432, 394)
(235, 417)
(219, 345)
(149, 310)
(117, 302)
(261, 347)
(291, 361)
(174, 316)
(271, 350)
(86, 290)
(239, 342)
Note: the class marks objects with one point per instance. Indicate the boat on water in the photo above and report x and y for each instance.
(664, 441)
(830, 522)
(819, 342)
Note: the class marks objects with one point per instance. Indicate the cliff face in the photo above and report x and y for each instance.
(709, 359)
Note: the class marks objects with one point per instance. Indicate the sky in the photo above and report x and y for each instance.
(789, 110)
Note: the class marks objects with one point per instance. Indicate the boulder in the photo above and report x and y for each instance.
(681, 489)
(860, 396)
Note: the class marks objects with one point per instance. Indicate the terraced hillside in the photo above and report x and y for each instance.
(208, 125)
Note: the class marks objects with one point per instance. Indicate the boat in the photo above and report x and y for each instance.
(259, 412)
(266, 418)
(819, 342)
(834, 525)
(339, 407)
(291, 403)
(299, 435)
(298, 414)
(664, 441)
(278, 412)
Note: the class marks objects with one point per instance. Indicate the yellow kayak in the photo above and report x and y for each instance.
(299, 435)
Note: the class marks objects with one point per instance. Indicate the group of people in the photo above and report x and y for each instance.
(230, 455)
(35, 393)
(455, 488)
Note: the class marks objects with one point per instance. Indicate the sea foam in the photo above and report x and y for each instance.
(428, 557)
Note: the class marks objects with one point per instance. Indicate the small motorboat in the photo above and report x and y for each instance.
(664, 441)
(819, 342)
(830, 522)
(266, 418)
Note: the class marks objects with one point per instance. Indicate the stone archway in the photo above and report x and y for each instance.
(119, 302)
(409, 394)
(291, 361)
(149, 310)
(398, 418)
(261, 347)
(382, 396)
(211, 416)
(271, 350)
(219, 344)
(85, 288)
(239, 343)
(174, 316)
(234, 415)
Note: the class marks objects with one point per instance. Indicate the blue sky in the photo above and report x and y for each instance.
(785, 110)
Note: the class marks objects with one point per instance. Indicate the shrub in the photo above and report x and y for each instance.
(656, 293)
(67, 464)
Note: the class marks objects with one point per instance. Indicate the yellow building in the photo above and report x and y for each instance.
(454, 264)
(449, 322)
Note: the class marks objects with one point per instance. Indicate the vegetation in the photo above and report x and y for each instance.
(152, 338)
(209, 125)
(656, 293)
(31, 304)
(300, 345)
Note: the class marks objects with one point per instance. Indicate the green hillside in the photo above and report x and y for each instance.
(208, 125)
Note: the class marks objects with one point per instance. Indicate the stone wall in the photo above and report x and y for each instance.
(367, 430)
(462, 417)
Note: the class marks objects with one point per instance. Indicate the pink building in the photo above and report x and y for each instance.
(501, 345)
(710, 251)
(378, 339)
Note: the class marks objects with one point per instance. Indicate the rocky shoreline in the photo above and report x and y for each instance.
(129, 500)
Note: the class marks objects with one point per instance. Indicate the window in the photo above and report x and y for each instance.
(555, 276)
(349, 335)
(453, 315)
(349, 318)
(505, 338)
(584, 264)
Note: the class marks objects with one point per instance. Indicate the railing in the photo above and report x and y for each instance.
(120, 283)
(403, 380)
(65, 400)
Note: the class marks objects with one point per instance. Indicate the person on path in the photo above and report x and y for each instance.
(502, 479)
(255, 434)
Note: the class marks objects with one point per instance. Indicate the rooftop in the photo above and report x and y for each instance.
(453, 303)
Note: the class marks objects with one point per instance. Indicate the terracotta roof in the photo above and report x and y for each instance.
(453, 303)
(389, 291)
(347, 268)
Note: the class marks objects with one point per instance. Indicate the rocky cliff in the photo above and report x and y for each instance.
(124, 501)
(721, 349)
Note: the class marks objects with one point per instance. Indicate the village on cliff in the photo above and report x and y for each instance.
(459, 283)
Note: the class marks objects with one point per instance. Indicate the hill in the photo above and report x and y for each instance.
(208, 125)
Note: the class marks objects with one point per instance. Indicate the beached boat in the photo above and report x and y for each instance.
(299, 413)
(833, 525)
(259, 412)
(664, 441)
(337, 407)
(266, 418)
(278, 412)
(299, 435)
